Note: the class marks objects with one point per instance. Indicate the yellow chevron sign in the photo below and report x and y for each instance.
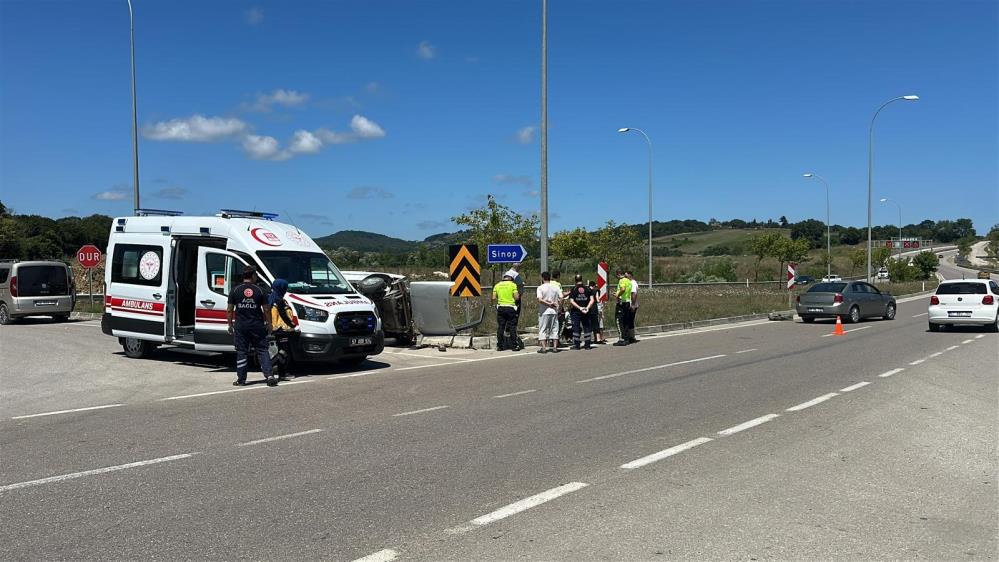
(465, 270)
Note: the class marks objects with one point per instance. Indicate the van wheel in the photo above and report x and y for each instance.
(61, 317)
(5, 317)
(136, 348)
(353, 361)
(808, 319)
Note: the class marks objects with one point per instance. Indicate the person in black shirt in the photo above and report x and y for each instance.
(581, 300)
(249, 318)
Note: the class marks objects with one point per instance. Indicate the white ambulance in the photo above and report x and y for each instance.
(168, 278)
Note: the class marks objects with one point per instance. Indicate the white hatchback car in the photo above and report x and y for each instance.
(965, 302)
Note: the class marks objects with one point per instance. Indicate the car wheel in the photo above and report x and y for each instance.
(890, 311)
(5, 317)
(353, 361)
(934, 327)
(994, 327)
(136, 348)
(808, 319)
(854, 315)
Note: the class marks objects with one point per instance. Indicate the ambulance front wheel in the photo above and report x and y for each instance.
(136, 348)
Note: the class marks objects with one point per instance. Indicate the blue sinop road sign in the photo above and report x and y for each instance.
(505, 253)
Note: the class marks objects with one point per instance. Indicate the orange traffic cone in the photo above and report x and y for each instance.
(839, 328)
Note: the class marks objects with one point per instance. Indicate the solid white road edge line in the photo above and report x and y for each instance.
(386, 555)
(516, 393)
(255, 386)
(812, 402)
(893, 372)
(749, 424)
(653, 368)
(854, 386)
(60, 478)
(66, 411)
(745, 351)
(529, 354)
(917, 362)
(426, 356)
(848, 331)
(279, 437)
(665, 453)
(519, 506)
(918, 315)
(420, 411)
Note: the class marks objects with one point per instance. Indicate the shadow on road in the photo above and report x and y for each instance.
(226, 363)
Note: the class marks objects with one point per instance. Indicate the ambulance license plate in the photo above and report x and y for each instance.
(354, 342)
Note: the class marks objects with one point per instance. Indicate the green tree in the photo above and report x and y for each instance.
(498, 224)
(992, 248)
(571, 244)
(616, 244)
(964, 247)
(927, 263)
(788, 250)
(858, 259)
(764, 246)
(879, 256)
(10, 238)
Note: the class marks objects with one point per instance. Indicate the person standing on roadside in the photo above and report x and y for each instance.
(623, 310)
(548, 302)
(634, 306)
(284, 329)
(518, 280)
(505, 296)
(597, 315)
(560, 322)
(249, 318)
(580, 300)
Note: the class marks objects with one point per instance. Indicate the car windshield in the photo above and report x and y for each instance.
(307, 273)
(961, 289)
(42, 280)
(828, 288)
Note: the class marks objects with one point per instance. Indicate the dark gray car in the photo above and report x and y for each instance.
(852, 300)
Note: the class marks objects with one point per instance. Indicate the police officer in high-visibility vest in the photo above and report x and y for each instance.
(622, 313)
(505, 296)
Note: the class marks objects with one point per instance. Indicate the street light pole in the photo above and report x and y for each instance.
(870, 172)
(649, 141)
(885, 200)
(135, 123)
(544, 135)
(828, 227)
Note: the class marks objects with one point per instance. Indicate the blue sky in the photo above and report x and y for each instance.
(395, 116)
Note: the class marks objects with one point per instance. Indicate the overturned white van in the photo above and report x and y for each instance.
(168, 278)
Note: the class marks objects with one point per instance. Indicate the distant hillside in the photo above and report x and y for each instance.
(362, 241)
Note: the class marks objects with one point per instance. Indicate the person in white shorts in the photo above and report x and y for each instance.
(548, 301)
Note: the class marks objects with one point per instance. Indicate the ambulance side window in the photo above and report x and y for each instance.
(223, 273)
(137, 264)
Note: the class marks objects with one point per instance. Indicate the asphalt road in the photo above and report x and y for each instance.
(757, 441)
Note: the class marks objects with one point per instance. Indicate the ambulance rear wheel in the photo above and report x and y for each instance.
(136, 348)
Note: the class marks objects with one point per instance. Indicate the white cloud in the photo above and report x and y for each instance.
(335, 137)
(425, 50)
(254, 15)
(304, 142)
(525, 135)
(196, 128)
(116, 193)
(262, 147)
(170, 193)
(366, 128)
(286, 98)
(369, 192)
(507, 179)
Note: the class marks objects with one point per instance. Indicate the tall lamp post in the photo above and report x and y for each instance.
(870, 172)
(544, 135)
(885, 200)
(828, 227)
(649, 141)
(135, 124)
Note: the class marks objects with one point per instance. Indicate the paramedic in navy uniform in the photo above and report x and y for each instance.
(249, 311)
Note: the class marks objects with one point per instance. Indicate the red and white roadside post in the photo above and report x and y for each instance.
(602, 281)
(791, 275)
(89, 257)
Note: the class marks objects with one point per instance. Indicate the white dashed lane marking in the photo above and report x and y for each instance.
(854, 386)
(917, 362)
(937, 354)
(57, 412)
(918, 315)
(749, 424)
(665, 453)
(255, 386)
(848, 331)
(979, 336)
(812, 402)
(745, 351)
(647, 369)
(279, 437)
(519, 506)
(968, 341)
(62, 477)
(952, 348)
(516, 393)
(892, 372)
(420, 411)
(386, 555)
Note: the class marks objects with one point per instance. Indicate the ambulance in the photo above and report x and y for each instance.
(168, 277)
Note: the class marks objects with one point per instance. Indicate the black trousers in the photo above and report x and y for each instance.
(245, 339)
(632, 313)
(506, 327)
(580, 321)
(622, 315)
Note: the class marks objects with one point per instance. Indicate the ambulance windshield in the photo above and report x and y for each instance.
(307, 273)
